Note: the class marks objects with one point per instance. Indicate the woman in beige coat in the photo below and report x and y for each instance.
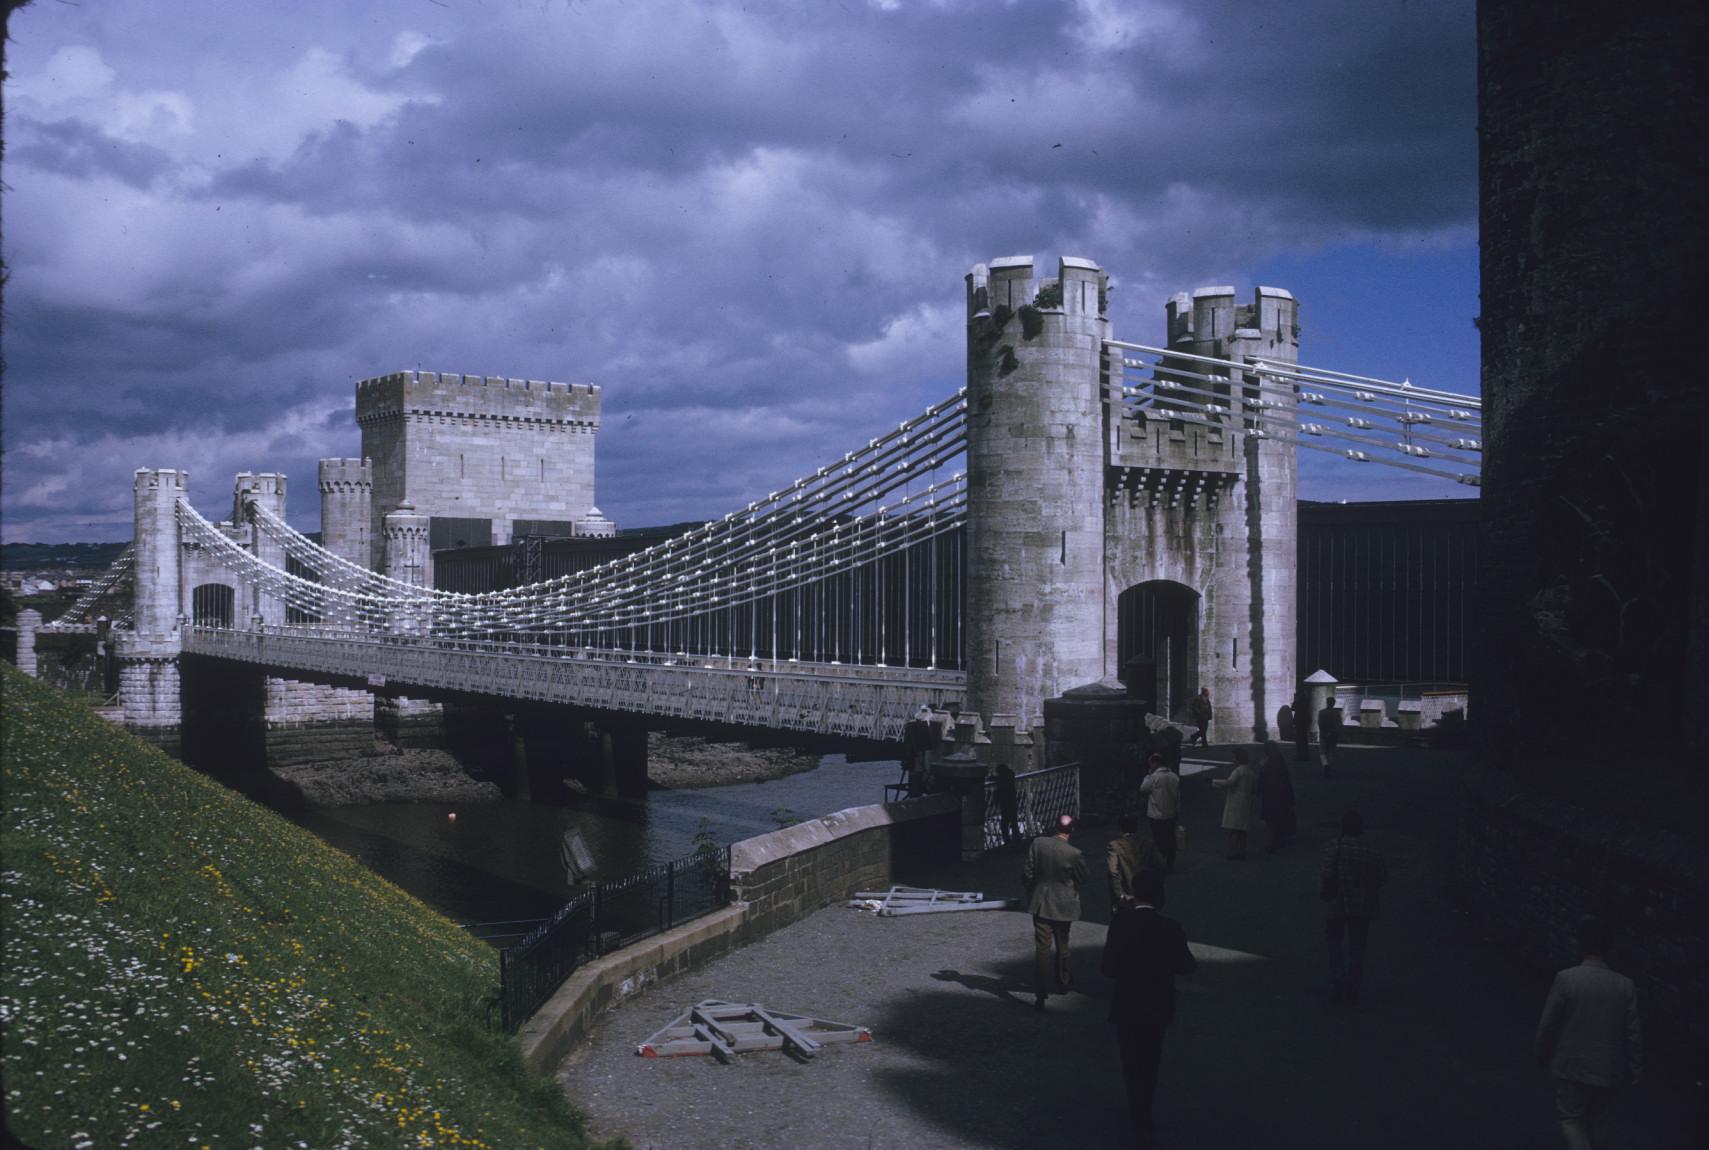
(1241, 783)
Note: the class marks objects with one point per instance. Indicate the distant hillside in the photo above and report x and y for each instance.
(37, 556)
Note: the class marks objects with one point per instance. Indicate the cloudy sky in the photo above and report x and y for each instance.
(748, 222)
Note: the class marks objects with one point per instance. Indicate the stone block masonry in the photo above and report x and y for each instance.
(474, 447)
(787, 874)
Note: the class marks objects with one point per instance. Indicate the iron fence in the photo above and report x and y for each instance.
(1040, 797)
(609, 916)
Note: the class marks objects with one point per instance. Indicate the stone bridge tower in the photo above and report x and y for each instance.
(1107, 540)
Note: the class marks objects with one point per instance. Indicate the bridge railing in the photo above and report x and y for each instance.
(610, 916)
(1040, 798)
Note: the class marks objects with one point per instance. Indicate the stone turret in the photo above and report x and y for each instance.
(346, 507)
(408, 559)
(1257, 606)
(266, 491)
(1035, 466)
(148, 654)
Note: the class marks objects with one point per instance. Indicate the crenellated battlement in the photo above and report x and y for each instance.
(418, 394)
(346, 475)
(1210, 318)
(1006, 286)
(158, 478)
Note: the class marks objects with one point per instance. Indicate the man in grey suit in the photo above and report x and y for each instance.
(1589, 1039)
(1052, 875)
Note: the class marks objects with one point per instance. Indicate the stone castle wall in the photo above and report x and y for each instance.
(468, 446)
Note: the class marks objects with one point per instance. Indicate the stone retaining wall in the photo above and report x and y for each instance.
(790, 873)
(1530, 866)
(777, 879)
(312, 722)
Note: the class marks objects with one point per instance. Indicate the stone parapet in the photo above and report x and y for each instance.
(789, 873)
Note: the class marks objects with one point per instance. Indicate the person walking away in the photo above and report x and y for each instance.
(1237, 803)
(1276, 796)
(1352, 875)
(1162, 790)
(1128, 855)
(1053, 873)
(1302, 728)
(1144, 953)
(1329, 733)
(1200, 709)
(1589, 1039)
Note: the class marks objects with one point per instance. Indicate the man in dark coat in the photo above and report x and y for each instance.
(1200, 709)
(1276, 795)
(1302, 728)
(1143, 953)
(1329, 733)
(1052, 875)
(1352, 877)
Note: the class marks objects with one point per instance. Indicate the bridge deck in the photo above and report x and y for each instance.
(820, 698)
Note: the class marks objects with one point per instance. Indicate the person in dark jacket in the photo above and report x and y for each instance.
(1302, 728)
(1053, 874)
(1144, 952)
(1276, 796)
(1200, 710)
(1353, 874)
(1329, 733)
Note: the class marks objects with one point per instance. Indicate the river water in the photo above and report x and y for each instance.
(498, 861)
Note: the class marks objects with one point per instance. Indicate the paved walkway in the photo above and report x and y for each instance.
(1438, 1054)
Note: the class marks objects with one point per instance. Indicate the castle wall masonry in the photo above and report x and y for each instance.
(474, 447)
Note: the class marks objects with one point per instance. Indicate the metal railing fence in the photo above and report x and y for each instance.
(609, 916)
(1040, 797)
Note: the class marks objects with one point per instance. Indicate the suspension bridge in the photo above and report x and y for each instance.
(1083, 507)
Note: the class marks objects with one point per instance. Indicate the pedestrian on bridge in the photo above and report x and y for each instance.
(1052, 875)
(1589, 1038)
(1162, 790)
(1144, 952)
(1237, 803)
(1352, 875)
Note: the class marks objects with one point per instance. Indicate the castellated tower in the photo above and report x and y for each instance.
(267, 491)
(1202, 520)
(483, 458)
(347, 508)
(1035, 466)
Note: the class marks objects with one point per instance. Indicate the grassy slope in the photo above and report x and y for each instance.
(183, 968)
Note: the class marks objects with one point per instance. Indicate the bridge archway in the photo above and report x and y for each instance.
(1157, 643)
(212, 605)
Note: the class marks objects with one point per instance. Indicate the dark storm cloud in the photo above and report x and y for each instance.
(82, 151)
(748, 223)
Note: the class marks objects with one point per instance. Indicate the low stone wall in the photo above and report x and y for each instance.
(1531, 865)
(790, 873)
(777, 878)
